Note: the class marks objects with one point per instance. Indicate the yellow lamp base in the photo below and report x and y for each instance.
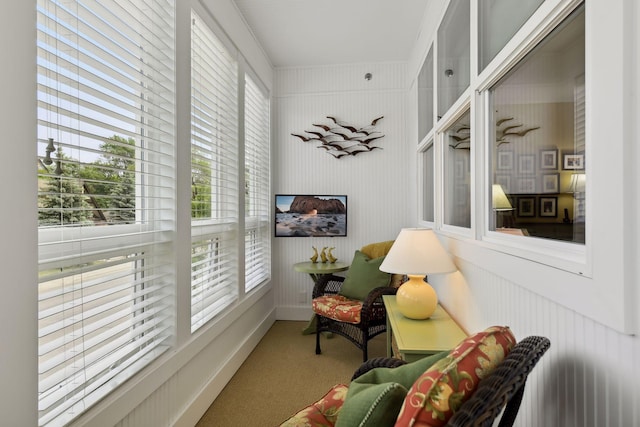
(416, 299)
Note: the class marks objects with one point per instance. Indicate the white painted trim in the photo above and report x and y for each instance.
(294, 313)
(199, 405)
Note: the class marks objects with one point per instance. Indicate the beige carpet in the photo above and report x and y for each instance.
(283, 375)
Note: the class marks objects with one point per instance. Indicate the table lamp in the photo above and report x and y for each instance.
(417, 252)
(501, 204)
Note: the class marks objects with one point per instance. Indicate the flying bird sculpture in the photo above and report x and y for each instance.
(343, 139)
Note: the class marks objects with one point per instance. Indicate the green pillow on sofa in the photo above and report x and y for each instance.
(363, 276)
(374, 399)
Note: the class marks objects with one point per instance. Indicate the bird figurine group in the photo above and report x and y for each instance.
(325, 255)
(342, 139)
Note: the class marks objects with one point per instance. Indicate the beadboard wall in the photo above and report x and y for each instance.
(380, 184)
(589, 377)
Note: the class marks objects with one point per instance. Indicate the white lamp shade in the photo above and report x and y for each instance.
(417, 251)
(500, 200)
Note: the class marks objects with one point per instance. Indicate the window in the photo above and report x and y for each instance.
(257, 188)
(454, 49)
(425, 97)
(538, 149)
(428, 189)
(457, 172)
(105, 190)
(214, 175)
(498, 21)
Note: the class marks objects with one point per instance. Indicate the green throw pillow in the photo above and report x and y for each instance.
(374, 399)
(363, 276)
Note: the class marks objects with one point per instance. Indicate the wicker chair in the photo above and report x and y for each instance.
(503, 388)
(373, 316)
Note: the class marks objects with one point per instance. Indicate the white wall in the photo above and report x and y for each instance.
(379, 184)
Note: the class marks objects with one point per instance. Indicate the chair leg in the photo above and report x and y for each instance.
(318, 351)
(365, 347)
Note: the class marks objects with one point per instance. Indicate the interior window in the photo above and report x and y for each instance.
(453, 55)
(538, 149)
(428, 188)
(425, 97)
(457, 172)
(498, 21)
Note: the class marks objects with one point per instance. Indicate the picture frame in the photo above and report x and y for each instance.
(549, 159)
(505, 160)
(526, 207)
(526, 185)
(527, 164)
(551, 183)
(573, 161)
(505, 182)
(309, 215)
(548, 207)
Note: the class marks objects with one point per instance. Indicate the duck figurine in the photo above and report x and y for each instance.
(332, 259)
(314, 257)
(323, 254)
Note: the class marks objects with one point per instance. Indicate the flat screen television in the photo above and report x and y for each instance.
(307, 215)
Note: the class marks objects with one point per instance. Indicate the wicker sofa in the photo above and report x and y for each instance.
(481, 378)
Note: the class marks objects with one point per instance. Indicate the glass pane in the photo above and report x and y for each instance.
(453, 55)
(498, 21)
(457, 173)
(425, 97)
(538, 158)
(428, 202)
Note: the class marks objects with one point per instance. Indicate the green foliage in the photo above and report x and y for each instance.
(103, 190)
(200, 187)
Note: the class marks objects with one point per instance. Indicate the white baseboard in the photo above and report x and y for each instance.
(199, 405)
(294, 313)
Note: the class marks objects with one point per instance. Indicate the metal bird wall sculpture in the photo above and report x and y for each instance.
(504, 135)
(341, 139)
(461, 138)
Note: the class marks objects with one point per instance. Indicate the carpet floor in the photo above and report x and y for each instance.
(283, 375)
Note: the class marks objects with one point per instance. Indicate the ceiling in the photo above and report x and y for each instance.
(310, 32)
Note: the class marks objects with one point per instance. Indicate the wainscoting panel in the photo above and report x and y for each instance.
(589, 377)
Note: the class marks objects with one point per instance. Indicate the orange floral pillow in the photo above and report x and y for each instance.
(445, 386)
(323, 413)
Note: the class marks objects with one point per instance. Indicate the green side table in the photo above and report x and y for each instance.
(410, 339)
(315, 270)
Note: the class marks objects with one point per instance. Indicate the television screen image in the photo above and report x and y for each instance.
(310, 215)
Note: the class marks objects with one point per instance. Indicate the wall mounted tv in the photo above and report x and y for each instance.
(304, 215)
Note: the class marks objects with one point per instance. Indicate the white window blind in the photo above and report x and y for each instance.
(214, 173)
(257, 185)
(105, 196)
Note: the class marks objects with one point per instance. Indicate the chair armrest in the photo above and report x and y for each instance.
(377, 362)
(373, 306)
(327, 284)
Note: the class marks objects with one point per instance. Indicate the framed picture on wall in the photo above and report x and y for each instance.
(505, 160)
(526, 185)
(526, 207)
(309, 215)
(572, 161)
(549, 159)
(505, 182)
(527, 164)
(551, 183)
(548, 207)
